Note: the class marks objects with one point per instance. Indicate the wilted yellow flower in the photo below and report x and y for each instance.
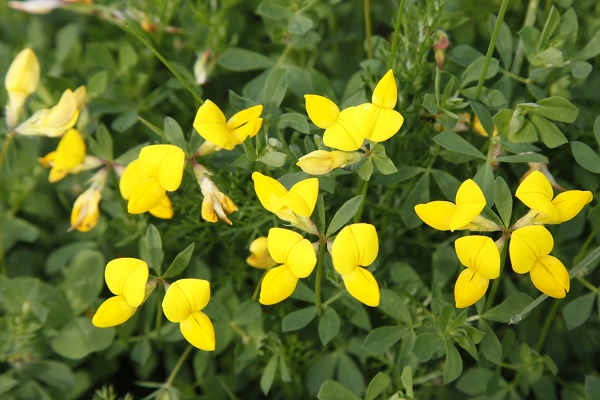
(259, 253)
(211, 125)
(21, 80)
(80, 97)
(529, 251)
(215, 204)
(295, 205)
(444, 215)
(320, 162)
(536, 193)
(341, 131)
(67, 158)
(183, 303)
(126, 278)
(52, 122)
(86, 212)
(145, 181)
(298, 259)
(355, 247)
(482, 259)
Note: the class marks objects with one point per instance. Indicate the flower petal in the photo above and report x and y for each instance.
(60, 117)
(165, 162)
(127, 277)
(145, 196)
(322, 111)
(550, 276)
(536, 193)
(355, 245)
(377, 123)
(130, 179)
(469, 288)
(361, 285)
(302, 258)
(69, 154)
(85, 213)
(527, 245)
(243, 117)
(22, 77)
(259, 254)
(280, 243)
(114, 311)
(277, 285)
(479, 253)
(436, 214)
(344, 134)
(320, 162)
(164, 210)
(568, 204)
(210, 123)
(268, 190)
(184, 297)
(199, 331)
(302, 197)
(470, 201)
(248, 130)
(386, 92)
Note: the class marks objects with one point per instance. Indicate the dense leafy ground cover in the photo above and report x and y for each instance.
(130, 203)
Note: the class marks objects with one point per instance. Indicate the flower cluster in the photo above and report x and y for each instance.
(530, 242)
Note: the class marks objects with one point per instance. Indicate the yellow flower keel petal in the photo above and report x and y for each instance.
(361, 284)
(199, 331)
(469, 288)
(114, 311)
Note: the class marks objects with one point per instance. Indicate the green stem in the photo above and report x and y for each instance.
(178, 366)
(319, 279)
(367, 6)
(587, 284)
(586, 244)
(546, 327)
(363, 192)
(167, 64)
(515, 77)
(396, 34)
(159, 314)
(529, 21)
(584, 264)
(284, 54)
(491, 47)
(4, 150)
(496, 284)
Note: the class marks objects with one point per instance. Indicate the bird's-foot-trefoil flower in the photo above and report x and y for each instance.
(297, 258)
(146, 181)
(126, 278)
(543, 168)
(259, 254)
(378, 121)
(355, 247)
(529, 251)
(294, 206)
(216, 205)
(183, 303)
(341, 131)
(463, 214)
(210, 123)
(68, 157)
(536, 193)
(481, 256)
(320, 162)
(52, 122)
(22, 79)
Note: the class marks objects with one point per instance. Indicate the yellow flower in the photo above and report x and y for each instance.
(85, 213)
(298, 260)
(145, 181)
(52, 122)
(67, 158)
(529, 252)
(378, 121)
(536, 193)
(21, 80)
(126, 278)
(341, 131)
(259, 254)
(164, 210)
(320, 162)
(215, 204)
(183, 303)
(295, 205)
(444, 215)
(482, 259)
(211, 125)
(354, 247)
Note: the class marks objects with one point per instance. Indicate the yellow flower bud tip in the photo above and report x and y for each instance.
(80, 97)
(386, 92)
(291, 249)
(215, 203)
(199, 331)
(361, 285)
(470, 201)
(527, 245)
(278, 284)
(22, 78)
(259, 254)
(85, 213)
(469, 288)
(479, 253)
(536, 193)
(127, 277)
(320, 162)
(321, 111)
(550, 276)
(543, 168)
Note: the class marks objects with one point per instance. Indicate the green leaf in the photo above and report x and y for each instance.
(180, 262)
(299, 24)
(454, 142)
(52, 373)
(381, 339)
(474, 381)
(578, 310)
(236, 59)
(7, 383)
(268, 375)
(248, 312)
(430, 104)
(502, 121)
(331, 390)
(586, 157)
(454, 365)
(591, 49)
(490, 345)
(78, 338)
(84, 279)
(474, 70)
(504, 44)
(349, 375)
(154, 246)
(273, 159)
(513, 305)
(274, 90)
(444, 262)
(393, 305)
(385, 165)
(329, 325)
(298, 319)
(96, 84)
(103, 145)
(526, 134)
(344, 214)
(556, 108)
(418, 195)
(320, 216)
(503, 200)
(366, 169)
(174, 134)
(426, 345)
(483, 113)
(484, 178)
(378, 385)
(273, 10)
(597, 129)
(295, 121)
(407, 381)
(548, 132)
(523, 158)
(447, 183)
(592, 387)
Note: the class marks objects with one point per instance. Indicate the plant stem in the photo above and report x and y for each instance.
(546, 327)
(492, 45)
(586, 244)
(529, 21)
(4, 150)
(367, 6)
(396, 34)
(496, 284)
(363, 192)
(159, 314)
(319, 279)
(587, 284)
(178, 366)
(284, 53)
